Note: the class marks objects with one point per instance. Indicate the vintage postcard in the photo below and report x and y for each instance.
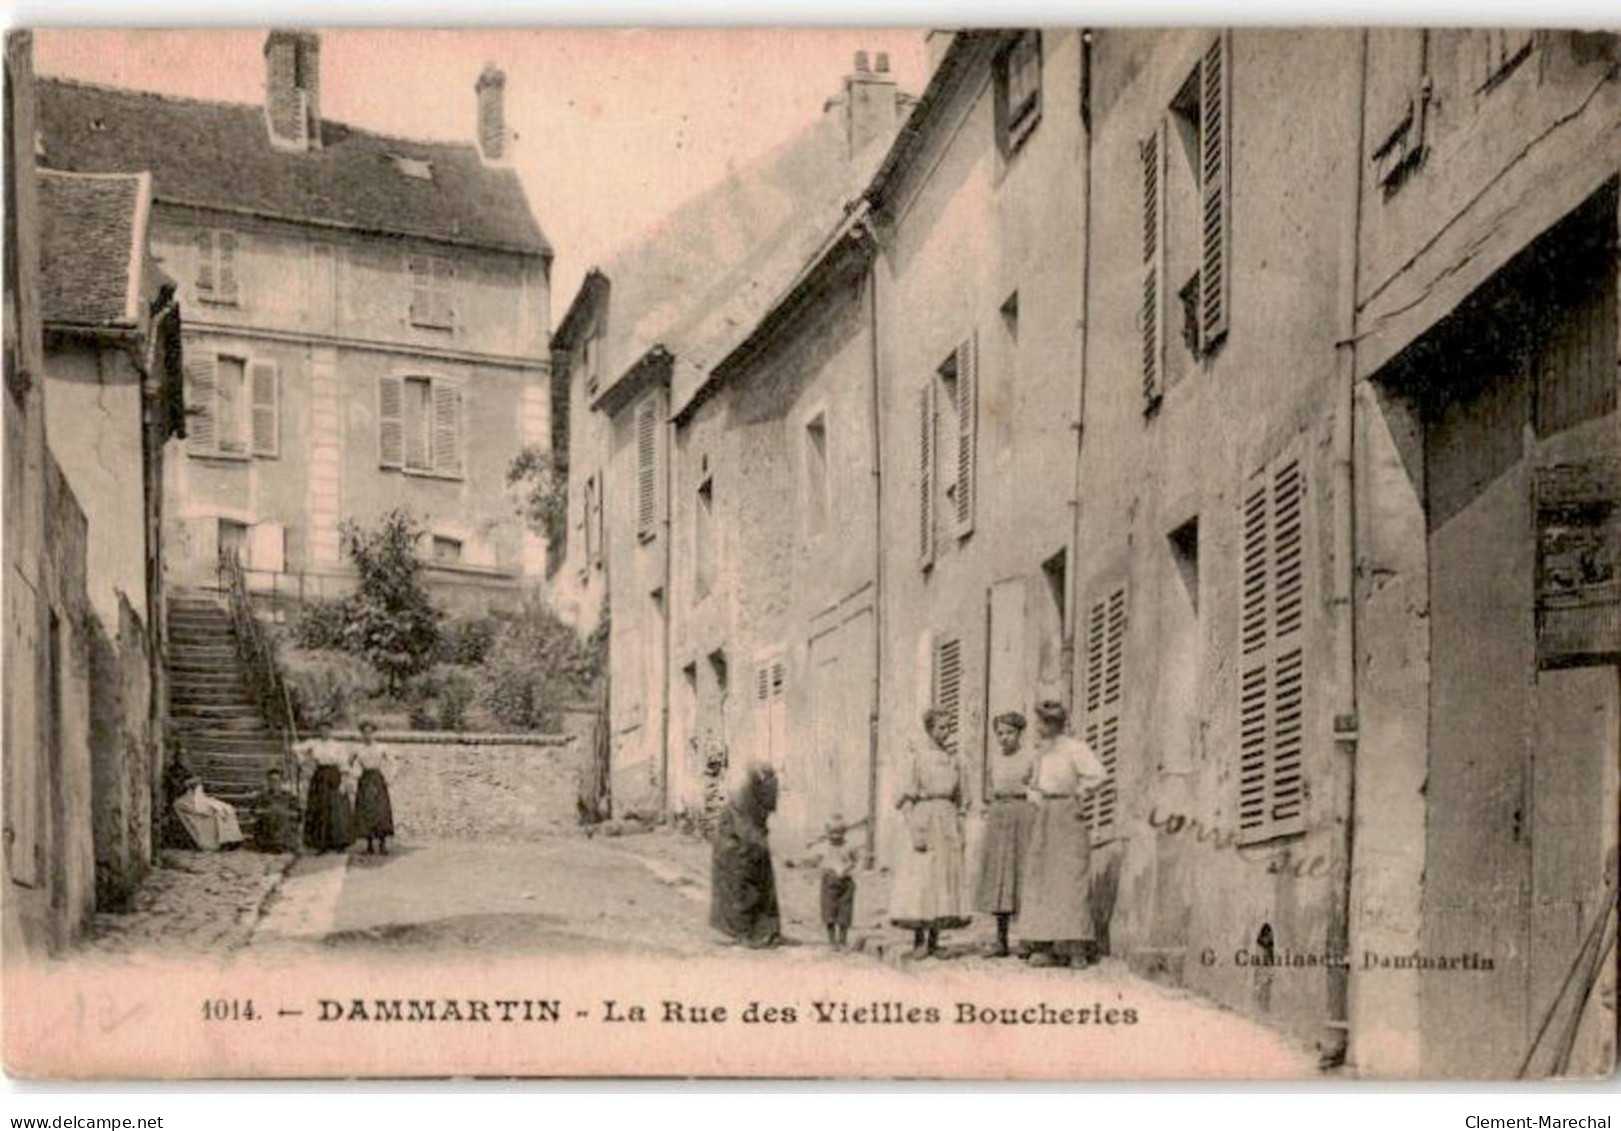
(985, 554)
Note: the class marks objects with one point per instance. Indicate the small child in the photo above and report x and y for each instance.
(838, 883)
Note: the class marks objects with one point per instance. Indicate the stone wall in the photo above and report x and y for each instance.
(124, 757)
(460, 787)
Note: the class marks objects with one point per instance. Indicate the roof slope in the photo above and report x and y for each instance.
(92, 248)
(218, 154)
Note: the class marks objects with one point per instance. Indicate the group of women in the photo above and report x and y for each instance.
(348, 795)
(1033, 867)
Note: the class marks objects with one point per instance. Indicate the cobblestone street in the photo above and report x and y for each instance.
(192, 902)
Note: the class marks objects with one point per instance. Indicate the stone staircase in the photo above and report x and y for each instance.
(212, 711)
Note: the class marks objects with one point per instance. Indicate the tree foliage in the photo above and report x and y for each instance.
(541, 477)
(389, 619)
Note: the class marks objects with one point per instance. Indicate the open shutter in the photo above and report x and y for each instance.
(444, 276)
(1104, 704)
(646, 469)
(201, 433)
(266, 397)
(1152, 315)
(1215, 173)
(225, 283)
(390, 422)
(205, 263)
(925, 474)
(418, 273)
(948, 686)
(967, 431)
(447, 428)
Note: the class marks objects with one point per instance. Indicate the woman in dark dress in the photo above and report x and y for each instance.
(374, 811)
(327, 815)
(743, 898)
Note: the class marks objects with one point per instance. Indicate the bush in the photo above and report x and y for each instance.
(325, 690)
(320, 626)
(389, 619)
(537, 666)
(467, 640)
(458, 694)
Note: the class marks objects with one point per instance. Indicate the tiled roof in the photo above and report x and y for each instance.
(218, 155)
(92, 247)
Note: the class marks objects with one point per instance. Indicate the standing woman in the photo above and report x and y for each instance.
(374, 810)
(1008, 820)
(1055, 911)
(327, 817)
(929, 894)
(743, 888)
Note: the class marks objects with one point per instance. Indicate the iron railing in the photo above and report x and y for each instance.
(258, 655)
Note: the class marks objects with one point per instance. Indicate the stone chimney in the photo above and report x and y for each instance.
(870, 101)
(293, 89)
(491, 89)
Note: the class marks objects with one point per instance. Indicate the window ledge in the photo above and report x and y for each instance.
(219, 300)
(227, 457)
(469, 570)
(423, 473)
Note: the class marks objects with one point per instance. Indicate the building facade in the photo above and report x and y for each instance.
(367, 325)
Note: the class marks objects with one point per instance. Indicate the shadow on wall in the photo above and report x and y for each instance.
(1105, 888)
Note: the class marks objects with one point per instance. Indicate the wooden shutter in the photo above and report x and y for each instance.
(225, 281)
(925, 474)
(444, 275)
(598, 543)
(418, 274)
(646, 468)
(948, 686)
(390, 422)
(201, 432)
(417, 417)
(1272, 677)
(967, 432)
(205, 263)
(1104, 704)
(230, 379)
(447, 427)
(266, 401)
(1152, 314)
(1215, 176)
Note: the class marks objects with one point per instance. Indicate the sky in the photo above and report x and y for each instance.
(614, 127)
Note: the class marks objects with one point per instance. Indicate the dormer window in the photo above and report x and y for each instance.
(413, 167)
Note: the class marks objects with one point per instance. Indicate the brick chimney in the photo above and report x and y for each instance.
(293, 89)
(491, 89)
(870, 101)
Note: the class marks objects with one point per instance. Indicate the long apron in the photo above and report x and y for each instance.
(1054, 902)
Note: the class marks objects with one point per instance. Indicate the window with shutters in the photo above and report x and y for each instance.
(1102, 709)
(431, 278)
(928, 436)
(233, 406)
(1272, 787)
(419, 425)
(771, 709)
(1018, 91)
(1500, 52)
(704, 539)
(816, 475)
(957, 408)
(217, 276)
(647, 469)
(948, 686)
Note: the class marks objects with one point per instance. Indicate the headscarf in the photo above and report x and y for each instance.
(756, 797)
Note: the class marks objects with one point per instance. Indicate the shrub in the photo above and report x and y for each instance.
(467, 640)
(325, 690)
(541, 478)
(320, 626)
(389, 619)
(457, 696)
(536, 667)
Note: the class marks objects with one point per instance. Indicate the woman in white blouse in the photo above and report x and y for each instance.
(1055, 912)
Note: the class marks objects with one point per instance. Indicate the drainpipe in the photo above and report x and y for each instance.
(875, 422)
(1336, 1038)
(1067, 653)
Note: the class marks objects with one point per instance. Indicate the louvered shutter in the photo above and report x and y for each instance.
(444, 276)
(390, 422)
(1152, 313)
(205, 263)
(948, 676)
(201, 432)
(266, 398)
(598, 543)
(925, 475)
(418, 274)
(417, 417)
(1215, 186)
(447, 428)
(646, 469)
(1104, 705)
(225, 283)
(1272, 677)
(967, 432)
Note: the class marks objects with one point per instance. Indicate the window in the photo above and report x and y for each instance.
(1187, 218)
(647, 443)
(591, 360)
(431, 277)
(1102, 709)
(1502, 50)
(216, 266)
(770, 689)
(233, 406)
(816, 500)
(703, 539)
(1018, 91)
(446, 551)
(1272, 669)
(948, 688)
(420, 425)
(949, 404)
(591, 523)
(929, 433)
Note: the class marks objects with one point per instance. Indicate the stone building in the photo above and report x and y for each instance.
(367, 323)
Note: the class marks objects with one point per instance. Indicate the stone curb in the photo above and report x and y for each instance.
(456, 738)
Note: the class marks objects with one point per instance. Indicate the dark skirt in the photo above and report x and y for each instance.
(743, 892)
(838, 899)
(374, 812)
(1001, 857)
(328, 820)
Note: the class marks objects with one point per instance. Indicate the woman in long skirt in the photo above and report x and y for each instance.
(743, 891)
(327, 816)
(374, 809)
(1008, 819)
(1055, 911)
(930, 895)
